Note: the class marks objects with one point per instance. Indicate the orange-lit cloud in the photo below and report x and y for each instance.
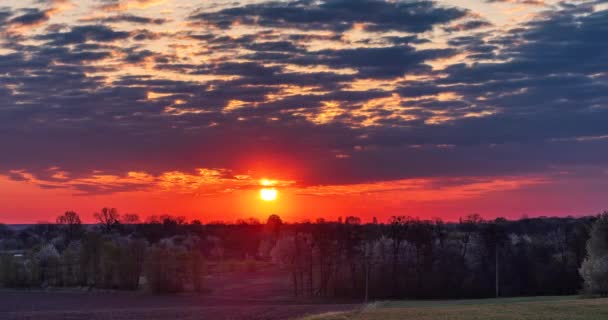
(433, 189)
(123, 5)
(202, 182)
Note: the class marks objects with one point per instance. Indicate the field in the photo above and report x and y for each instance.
(257, 298)
(263, 295)
(266, 295)
(536, 308)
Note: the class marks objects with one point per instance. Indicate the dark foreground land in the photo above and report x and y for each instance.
(118, 306)
(236, 297)
(123, 305)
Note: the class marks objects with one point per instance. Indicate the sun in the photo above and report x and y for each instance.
(268, 194)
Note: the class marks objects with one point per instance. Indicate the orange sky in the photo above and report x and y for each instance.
(25, 202)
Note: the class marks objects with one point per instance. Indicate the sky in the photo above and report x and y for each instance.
(372, 108)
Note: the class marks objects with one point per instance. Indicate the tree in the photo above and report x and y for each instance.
(90, 259)
(131, 262)
(5, 232)
(284, 254)
(48, 262)
(131, 218)
(397, 232)
(171, 269)
(420, 236)
(72, 223)
(352, 220)
(469, 226)
(108, 218)
(273, 225)
(594, 269)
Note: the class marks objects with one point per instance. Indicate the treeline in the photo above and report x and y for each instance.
(414, 258)
(403, 258)
(109, 256)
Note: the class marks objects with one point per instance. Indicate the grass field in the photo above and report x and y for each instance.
(535, 308)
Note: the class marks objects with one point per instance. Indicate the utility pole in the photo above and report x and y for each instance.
(366, 282)
(367, 267)
(497, 273)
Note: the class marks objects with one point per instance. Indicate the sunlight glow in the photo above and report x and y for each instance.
(268, 194)
(267, 182)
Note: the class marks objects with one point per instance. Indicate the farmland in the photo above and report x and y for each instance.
(236, 296)
(533, 308)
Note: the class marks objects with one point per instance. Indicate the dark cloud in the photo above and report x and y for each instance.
(469, 25)
(31, 17)
(528, 2)
(377, 62)
(82, 34)
(129, 18)
(5, 14)
(144, 35)
(401, 40)
(337, 15)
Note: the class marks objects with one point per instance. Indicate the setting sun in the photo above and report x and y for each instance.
(268, 194)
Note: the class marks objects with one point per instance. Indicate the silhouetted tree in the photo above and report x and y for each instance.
(130, 218)
(71, 223)
(108, 218)
(397, 233)
(5, 232)
(273, 225)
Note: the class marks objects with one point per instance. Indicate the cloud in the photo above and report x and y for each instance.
(203, 181)
(31, 17)
(34, 17)
(124, 5)
(468, 25)
(377, 62)
(336, 15)
(427, 190)
(82, 34)
(524, 2)
(126, 18)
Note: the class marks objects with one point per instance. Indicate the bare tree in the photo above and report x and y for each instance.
(469, 226)
(108, 218)
(71, 221)
(397, 232)
(284, 253)
(130, 218)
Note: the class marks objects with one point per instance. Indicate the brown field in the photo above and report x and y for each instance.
(235, 296)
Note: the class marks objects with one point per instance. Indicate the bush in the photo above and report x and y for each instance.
(14, 272)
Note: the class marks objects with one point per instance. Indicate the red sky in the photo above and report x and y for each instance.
(25, 202)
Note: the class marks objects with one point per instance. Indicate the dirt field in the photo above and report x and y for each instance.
(245, 296)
